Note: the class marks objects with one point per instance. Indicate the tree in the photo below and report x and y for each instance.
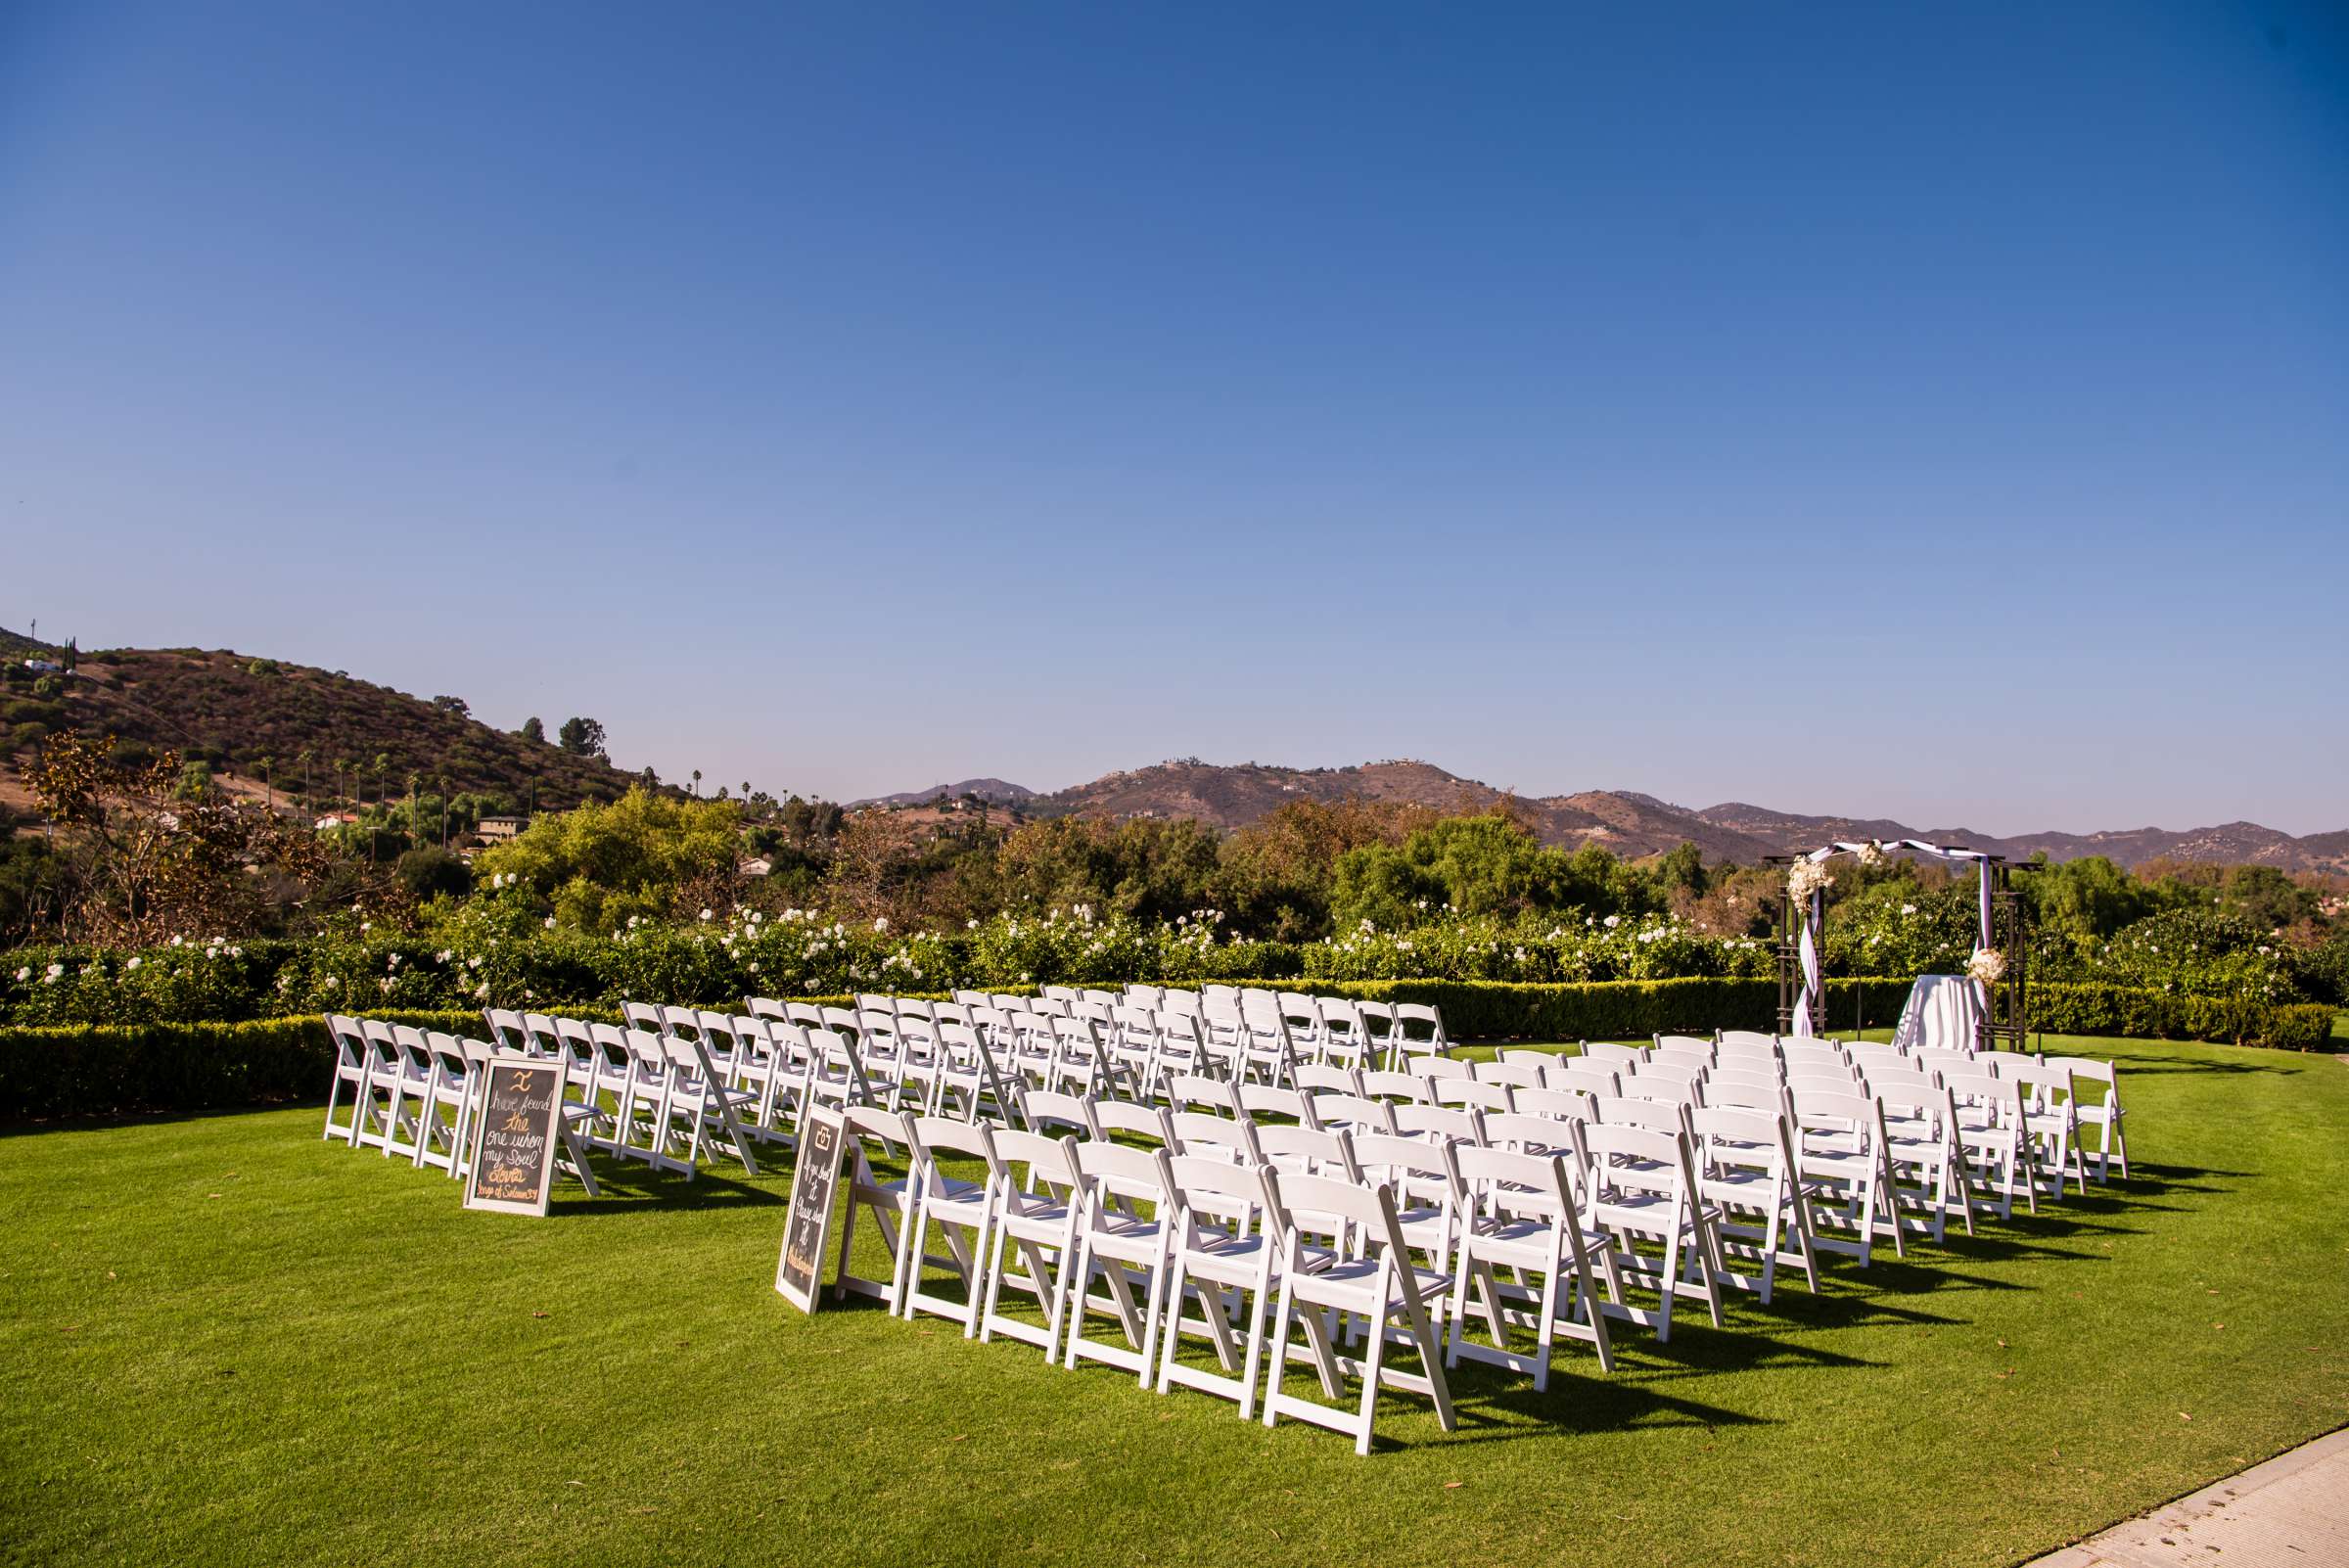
(596, 865)
(697, 781)
(453, 705)
(305, 757)
(533, 731)
(581, 737)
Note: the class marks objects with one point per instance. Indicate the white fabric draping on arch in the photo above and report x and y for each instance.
(1807, 940)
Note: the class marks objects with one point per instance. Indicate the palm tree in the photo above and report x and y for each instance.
(267, 765)
(440, 783)
(697, 781)
(304, 756)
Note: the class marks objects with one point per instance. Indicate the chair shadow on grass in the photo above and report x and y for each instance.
(629, 1188)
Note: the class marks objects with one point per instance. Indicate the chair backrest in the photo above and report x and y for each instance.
(1608, 1053)
(1553, 1104)
(1625, 1158)
(1471, 1091)
(1533, 1134)
(1740, 1139)
(1751, 1090)
(1352, 1111)
(1218, 1189)
(1139, 1175)
(807, 1015)
(1699, 1044)
(1051, 1109)
(1208, 1135)
(1189, 1089)
(767, 1007)
(1419, 1027)
(1748, 1037)
(1386, 1084)
(506, 1027)
(1517, 1075)
(1657, 1115)
(1306, 1148)
(1432, 1065)
(1440, 1122)
(944, 1134)
(1036, 1165)
(1188, 1002)
(2088, 1070)
(1263, 1099)
(1663, 1081)
(1516, 1182)
(1132, 1118)
(641, 1015)
(1327, 1077)
(1143, 997)
(1416, 1167)
(1576, 1075)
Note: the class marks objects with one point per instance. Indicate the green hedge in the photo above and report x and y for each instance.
(106, 1070)
(2086, 1009)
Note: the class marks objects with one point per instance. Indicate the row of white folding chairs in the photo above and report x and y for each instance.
(1408, 1237)
(1321, 1028)
(418, 1094)
(2065, 1097)
(667, 1092)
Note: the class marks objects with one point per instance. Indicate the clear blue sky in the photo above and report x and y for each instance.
(1722, 402)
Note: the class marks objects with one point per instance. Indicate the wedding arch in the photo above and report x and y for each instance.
(1998, 965)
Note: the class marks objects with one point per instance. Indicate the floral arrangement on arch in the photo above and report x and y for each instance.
(1804, 878)
(1986, 967)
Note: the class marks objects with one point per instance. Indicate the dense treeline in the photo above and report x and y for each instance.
(175, 909)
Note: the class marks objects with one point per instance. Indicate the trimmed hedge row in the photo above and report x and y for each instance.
(107, 1070)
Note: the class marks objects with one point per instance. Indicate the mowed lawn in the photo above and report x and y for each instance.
(223, 1341)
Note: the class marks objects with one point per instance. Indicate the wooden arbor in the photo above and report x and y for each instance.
(1802, 990)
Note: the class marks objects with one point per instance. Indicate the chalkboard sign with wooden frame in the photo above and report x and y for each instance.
(814, 1182)
(516, 1134)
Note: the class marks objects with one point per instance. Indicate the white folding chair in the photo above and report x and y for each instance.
(1642, 1188)
(1523, 1218)
(2102, 1113)
(878, 1134)
(963, 1211)
(1126, 1207)
(1381, 1285)
(1744, 1163)
(1037, 1200)
(1227, 1239)
(1840, 1159)
(352, 1067)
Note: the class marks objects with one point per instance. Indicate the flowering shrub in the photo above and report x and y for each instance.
(498, 951)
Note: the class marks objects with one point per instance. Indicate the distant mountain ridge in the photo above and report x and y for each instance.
(1624, 822)
(994, 791)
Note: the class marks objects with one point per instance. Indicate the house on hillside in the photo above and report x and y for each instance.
(499, 829)
(336, 819)
(44, 666)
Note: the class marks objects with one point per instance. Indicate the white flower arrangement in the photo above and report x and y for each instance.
(1987, 966)
(1867, 854)
(1804, 878)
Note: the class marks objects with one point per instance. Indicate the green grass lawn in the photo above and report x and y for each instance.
(225, 1341)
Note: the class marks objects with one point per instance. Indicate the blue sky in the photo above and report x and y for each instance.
(1726, 403)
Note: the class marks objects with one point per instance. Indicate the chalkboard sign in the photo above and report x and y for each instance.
(815, 1181)
(514, 1136)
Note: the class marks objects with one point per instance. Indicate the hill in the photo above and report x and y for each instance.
(232, 709)
(1629, 824)
(994, 791)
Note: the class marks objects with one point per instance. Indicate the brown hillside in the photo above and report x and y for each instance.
(232, 709)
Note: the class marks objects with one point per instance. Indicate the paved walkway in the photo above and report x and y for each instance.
(2292, 1509)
